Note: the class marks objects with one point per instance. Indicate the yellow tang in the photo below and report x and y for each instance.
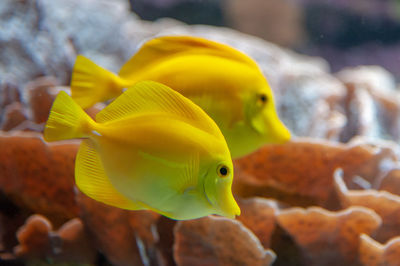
(225, 83)
(152, 149)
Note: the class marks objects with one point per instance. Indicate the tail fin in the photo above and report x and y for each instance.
(67, 120)
(91, 83)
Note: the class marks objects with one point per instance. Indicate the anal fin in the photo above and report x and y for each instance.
(92, 180)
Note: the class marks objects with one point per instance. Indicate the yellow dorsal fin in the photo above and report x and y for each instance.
(154, 97)
(159, 49)
(93, 181)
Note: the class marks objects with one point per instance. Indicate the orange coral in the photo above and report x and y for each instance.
(373, 253)
(328, 238)
(218, 241)
(14, 114)
(258, 215)
(385, 204)
(40, 98)
(300, 172)
(9, 93)
(34, 238)
(391, 181)
(70, 243)
(39, 176)
(119, 234)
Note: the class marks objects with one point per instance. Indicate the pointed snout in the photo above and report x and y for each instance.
(227, 204)
(276, 131)
(282, 134)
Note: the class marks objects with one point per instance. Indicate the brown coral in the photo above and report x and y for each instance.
(218, 241)
(328, 238)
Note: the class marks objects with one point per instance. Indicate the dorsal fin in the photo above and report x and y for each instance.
(154, 97)
(161, 48)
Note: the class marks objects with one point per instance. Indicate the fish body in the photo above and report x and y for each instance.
(151, 148)
(225, 83)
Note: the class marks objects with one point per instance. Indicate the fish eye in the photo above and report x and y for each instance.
(263, 98)
(222, 170)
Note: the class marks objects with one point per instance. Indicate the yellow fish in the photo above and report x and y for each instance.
(225, 83)
(152, 149)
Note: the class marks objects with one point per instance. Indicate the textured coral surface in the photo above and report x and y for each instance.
(330, 196)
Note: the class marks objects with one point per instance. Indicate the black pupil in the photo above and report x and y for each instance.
(223, 171)
(263, 98)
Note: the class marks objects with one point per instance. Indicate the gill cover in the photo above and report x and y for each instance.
(218, 190)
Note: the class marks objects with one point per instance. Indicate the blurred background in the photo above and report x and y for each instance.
(345, 33)
(356, 108)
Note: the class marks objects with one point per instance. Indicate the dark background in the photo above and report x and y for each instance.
(346, 33)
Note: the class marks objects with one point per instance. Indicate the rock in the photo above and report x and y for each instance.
(310, 105)
(375, 79)
(43, 37)
(372, 103)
